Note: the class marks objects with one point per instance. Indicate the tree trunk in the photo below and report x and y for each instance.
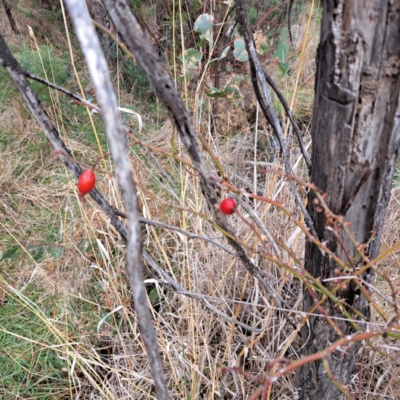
(10, 17)
(356, 136)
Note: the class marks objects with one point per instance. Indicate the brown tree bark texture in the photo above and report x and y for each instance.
(356, 136)
(10, 17)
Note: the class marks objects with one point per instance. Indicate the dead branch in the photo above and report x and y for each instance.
(138, 44)
(107, 99)
(264, 98)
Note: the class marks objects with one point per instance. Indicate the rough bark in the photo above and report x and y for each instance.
(10, 17)
(356, 136)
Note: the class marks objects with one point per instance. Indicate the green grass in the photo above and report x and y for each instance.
(30, 368)
(34, 329)
(81, 276)
(44, 63)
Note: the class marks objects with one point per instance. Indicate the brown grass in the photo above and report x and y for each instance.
(88, 292)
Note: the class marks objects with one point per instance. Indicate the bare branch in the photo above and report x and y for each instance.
(137, 43)
(286, 107)
(18, 75)
(107, 99)
(264, 98)
(179, 289)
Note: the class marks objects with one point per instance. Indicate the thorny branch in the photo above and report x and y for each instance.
(18, 75)
(138, 44)
(338, 346)
(117, 212)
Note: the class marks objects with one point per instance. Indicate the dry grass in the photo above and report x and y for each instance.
(380, 364)
(76, 289)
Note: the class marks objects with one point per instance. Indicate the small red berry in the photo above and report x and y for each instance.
(228, 206)
(86, 182)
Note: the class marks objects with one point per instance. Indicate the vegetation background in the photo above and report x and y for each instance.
(67, 326)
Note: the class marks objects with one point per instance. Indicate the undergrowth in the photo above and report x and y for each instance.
(67, 325)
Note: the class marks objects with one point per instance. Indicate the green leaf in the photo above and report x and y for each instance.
(281, 52)
(201, 42)
(232, 91)
(239, 51)
(190, 62)
(264, 48)
(284, 67)
(203, 25)
(11, 253)
(191, 55)
(214, 92)
(237, 80)
(39, 254)
(224, 53)
(153, 295)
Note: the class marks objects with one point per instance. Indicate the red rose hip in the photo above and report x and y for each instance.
(228, 206)
(86, 182)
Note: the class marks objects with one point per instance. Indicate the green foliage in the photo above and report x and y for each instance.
(190, 63)
(230, 91)
(135, 5)
(135, 80)
(239, 51)
(214, 92)
(54, 14)
(204, 25)
(7, 90)
(10, 254)
(32, 355)
(318, 18)
(45, 63)
(57, 69)
(253, 15)
(28, 13)
(224, 53)
(29, 367)
(153, 295)
(282, 50)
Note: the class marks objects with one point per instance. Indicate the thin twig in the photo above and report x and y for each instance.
(138, 44)
(264, 98)
(320, 355)
(202, 299)
(372, 287)
(258, 222)
(19, 77)
(61, 89)
(107, 99)
(289, 21)
(291, 118)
